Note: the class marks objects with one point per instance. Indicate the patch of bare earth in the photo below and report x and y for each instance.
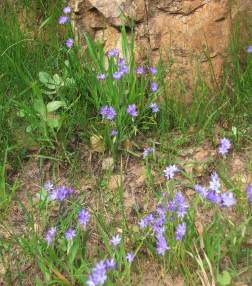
(196, 161)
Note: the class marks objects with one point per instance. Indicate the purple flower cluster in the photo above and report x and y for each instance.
(132, 110)
(50, 235)
(64, 19)
(122, 69)
(83, 217)
(170, 171)
(224, 146)
(147, 151)
(60, 193)
(213, 192)
(108, 112)
(98, 274)
(157, 219)
(249, 50)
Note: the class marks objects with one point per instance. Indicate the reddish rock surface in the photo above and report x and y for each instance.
(187, 31)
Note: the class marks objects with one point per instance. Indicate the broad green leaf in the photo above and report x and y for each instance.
(224, 279)
(44, 77)
(55, 105)
(58, 80)
(47, 80)
(40, 107)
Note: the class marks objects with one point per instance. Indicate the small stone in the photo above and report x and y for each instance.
(108, 164)
(97, 144)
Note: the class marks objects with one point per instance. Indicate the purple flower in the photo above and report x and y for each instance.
(63, 20)
(83, 217)
(227, 199)
(114, 132)
(130, 257)
(121, 62)
(201, 190)
(60, 193)
(224, 146)
(124, 69)
(67, 10)
(117, 75)
(153, 70)
(154, 107)
(116, 239)
(48, 186)
(108, 112)
(110, 263)
(69, 43)
(170, 171)
(180, 204)
(147, 151)
(249, 193)
(249, 50)
(132, 110)
(113, 52)
(180, 231)
(70, 234)
(101, 76)
(162, 245)
(98, 275)
(214, 183)
(140, 70)
(50, 235)
(154, 86)
(214, 197)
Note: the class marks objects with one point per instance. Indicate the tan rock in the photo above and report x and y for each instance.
(190, 32)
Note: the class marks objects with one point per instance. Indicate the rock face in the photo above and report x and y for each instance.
(188, 32)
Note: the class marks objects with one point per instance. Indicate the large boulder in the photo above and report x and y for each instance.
(188, 32)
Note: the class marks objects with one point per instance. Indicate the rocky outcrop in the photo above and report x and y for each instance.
(187, 32)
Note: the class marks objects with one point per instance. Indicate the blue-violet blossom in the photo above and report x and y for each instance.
(108, 112)
(50, 235)
(132, 110)
(63, 20)
(224, 146)
(169, 171)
